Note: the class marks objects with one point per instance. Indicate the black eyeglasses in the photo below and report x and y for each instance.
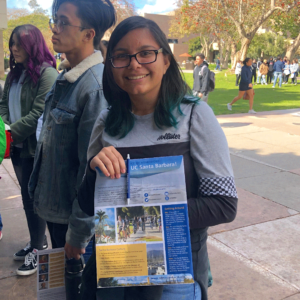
(60, 25)
(143, 58)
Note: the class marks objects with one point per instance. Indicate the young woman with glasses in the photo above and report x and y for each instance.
(149, 101)
(32, 74)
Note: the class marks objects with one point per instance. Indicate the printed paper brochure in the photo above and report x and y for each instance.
(148, 241)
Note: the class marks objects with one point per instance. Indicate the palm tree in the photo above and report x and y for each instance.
(101, 216)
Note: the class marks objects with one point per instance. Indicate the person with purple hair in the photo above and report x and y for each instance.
(32, 74)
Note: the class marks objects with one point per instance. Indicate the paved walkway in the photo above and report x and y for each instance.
(256, 257)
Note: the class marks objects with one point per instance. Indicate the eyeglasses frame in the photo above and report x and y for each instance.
(134, 55)
(55, 25)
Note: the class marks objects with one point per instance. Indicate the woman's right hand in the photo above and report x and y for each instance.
(110, 162)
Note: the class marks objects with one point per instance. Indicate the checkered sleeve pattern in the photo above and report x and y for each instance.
(221, 186)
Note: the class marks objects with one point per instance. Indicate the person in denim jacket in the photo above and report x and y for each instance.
(71, 108)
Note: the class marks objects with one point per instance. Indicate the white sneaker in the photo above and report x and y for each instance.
(229, 106)
(266, 84)
(251, 111)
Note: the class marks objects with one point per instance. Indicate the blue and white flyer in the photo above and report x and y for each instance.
(145, 242)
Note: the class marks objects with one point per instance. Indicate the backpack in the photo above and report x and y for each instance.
(211, 80)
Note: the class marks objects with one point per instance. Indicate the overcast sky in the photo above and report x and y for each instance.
(148, 6)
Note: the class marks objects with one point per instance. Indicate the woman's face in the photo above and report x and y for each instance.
(136, 79)
(249, 62)
(20, 55)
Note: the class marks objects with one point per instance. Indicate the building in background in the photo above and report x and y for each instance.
(3, 25)
(177, 45)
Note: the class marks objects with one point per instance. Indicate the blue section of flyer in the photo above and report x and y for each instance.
(177, 239)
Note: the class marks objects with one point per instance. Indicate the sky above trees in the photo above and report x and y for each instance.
(148, 6)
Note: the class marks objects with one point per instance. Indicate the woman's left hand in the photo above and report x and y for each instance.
(250, 85)
(73, 252)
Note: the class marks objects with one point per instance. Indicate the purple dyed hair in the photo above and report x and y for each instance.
(32, 41)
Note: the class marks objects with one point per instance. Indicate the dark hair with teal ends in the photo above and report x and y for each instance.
(173, 91)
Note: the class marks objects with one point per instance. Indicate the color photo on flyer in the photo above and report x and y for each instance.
(147, 242)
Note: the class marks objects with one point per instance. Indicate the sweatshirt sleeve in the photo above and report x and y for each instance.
(217, 197)
(205, 79)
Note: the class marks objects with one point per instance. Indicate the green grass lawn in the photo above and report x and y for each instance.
(3, 78)
(266, 98)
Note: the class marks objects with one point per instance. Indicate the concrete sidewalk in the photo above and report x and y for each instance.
(256, 257)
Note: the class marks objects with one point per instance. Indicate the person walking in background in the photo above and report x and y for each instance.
(286, 72)
(238, 70)
(278, 69)
(201, 78)
(264, 69)
(218, 64)
(33, 72)
(254, 68)
(270, 64)
(245, 86)
(258, 73)
(294, 71)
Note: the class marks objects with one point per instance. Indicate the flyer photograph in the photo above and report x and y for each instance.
(51, 274)
(141, 225)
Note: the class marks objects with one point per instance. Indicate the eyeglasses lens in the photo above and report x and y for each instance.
(145, 57)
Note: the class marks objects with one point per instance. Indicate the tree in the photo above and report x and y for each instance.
(101, 216)
(249, 16)
(36, 7)
(124, 9)
(184, 24)
(20, 17)
(195, 46)
(197, 17)
(152, 210)
(131, 212)
(267, 44)
(233, 18)
(289, 26)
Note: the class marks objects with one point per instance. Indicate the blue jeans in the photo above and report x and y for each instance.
(218, 67)
(277, 75)
(258, 78)
(263, 79)
(1, 225)
(181, 292)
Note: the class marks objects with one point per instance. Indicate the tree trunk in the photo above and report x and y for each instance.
(233, 53)
(242, 53)
(205, 46)
(226, 57)
(244, 48)
(221, 52)
(291, 50)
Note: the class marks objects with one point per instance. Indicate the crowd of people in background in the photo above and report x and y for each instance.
(251, 72)
(268, 71)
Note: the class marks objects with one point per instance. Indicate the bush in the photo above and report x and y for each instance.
(6, 63)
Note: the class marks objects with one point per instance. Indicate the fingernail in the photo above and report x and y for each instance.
(118, 176)
(112, 177)
(107, 174)
(123, 170)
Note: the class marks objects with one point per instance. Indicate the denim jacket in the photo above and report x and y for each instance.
(71, 109)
